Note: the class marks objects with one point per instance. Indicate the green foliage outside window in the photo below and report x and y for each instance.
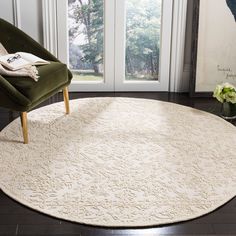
(143, 22)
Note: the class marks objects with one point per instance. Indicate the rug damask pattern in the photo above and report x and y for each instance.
(120, 162)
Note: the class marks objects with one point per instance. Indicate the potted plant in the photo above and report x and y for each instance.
(226, 94)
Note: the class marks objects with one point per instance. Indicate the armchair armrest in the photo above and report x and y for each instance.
(12, 93)
(15, 40)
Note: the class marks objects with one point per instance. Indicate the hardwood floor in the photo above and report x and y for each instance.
(16, 219)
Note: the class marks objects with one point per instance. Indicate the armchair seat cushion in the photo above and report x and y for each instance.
(52, 76)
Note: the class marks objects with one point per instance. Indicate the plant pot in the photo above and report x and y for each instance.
(228, 111)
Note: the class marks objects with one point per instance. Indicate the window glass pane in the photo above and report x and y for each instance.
(86, 36)
(143, 29)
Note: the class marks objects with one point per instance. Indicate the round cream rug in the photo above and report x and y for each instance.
(120, 162)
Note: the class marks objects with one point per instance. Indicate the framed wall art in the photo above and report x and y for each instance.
(213, 46)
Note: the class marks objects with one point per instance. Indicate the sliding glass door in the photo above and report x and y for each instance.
(117, 45)
(86, 39)
(90, 43)
(143, 39)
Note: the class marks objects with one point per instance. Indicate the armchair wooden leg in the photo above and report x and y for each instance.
(66, 100)
(24, 127)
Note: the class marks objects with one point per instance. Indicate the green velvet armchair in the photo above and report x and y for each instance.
(21, 93)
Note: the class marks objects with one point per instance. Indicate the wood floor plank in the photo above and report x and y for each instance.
(220, 229)
(34, 219)
(183, 229)
(8, 229)
(53, 230)
(217, 218)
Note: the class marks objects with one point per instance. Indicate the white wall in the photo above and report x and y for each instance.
(31, 18)
(27, 12)
(6, 10)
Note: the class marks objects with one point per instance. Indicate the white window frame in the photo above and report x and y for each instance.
(162, 84)
(54, 16)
